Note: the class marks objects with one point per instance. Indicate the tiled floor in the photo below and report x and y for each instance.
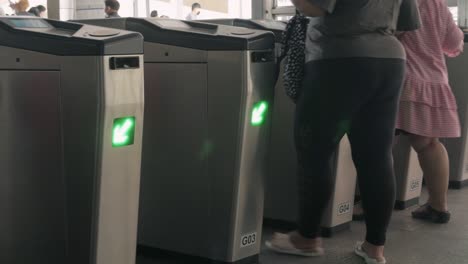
(409, 241)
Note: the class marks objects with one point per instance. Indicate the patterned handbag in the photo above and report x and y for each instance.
(293, 51)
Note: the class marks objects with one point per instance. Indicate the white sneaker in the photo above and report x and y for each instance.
(281, 243)
(360, 252)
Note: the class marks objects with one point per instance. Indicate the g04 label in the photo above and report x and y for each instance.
(248, 240)
(344, 208)
(414, 185)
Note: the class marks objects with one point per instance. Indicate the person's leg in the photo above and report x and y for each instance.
(322, 118)
(323, 115)
(358, 211)
(315, 146)
(434, 162)
(374, 164)
(371, 137)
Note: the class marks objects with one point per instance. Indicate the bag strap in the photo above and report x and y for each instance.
(285, 43)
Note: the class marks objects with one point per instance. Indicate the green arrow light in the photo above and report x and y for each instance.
(259, 113)
(123, 132)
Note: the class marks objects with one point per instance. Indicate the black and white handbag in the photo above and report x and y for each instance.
(293, 51)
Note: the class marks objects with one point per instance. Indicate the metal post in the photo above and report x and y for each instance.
(53, 9)
(462, 12)
(268, 9)
(148, 8)
(135, 8)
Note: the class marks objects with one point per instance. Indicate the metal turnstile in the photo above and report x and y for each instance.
(208, 93)
(408, 174)
(457, 148)
(71, 115)
(274, 26)
(280, 189)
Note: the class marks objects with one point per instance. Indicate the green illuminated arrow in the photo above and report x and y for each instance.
(259, 113)
(121, 133)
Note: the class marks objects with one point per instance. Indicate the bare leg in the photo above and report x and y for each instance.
(434, 162)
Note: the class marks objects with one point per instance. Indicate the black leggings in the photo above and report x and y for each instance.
(358, 97)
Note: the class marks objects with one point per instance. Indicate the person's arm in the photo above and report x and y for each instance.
(408, 18)
(453, 41)
(313, 11)
(318, 8)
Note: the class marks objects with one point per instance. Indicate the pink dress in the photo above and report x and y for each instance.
(427, 105)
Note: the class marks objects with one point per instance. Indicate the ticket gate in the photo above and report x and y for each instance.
(280, 184)
(274, 26)
(71, 115)
(208, 94)
(408, 174)
(457, 148)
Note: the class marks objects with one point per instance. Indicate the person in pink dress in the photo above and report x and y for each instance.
(428, 110)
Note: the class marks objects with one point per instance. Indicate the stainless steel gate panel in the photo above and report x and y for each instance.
(457, 148)
(74, 93)
(175, 157)
(281, 189)
(32, 181)
(204, 154)
(119, 168)
(247, 164)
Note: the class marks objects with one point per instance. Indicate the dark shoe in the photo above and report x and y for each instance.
(427, 213)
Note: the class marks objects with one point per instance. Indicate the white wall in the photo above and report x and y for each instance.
(89, 9)
(82, 9)
(95, 8)
(141, 8)
(176, 9)
(283, 3)
(67, 9)
(164, 8)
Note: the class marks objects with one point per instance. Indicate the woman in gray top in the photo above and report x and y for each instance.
(351, 84)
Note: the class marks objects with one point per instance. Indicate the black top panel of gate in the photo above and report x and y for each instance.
(67, 39)
(277, 27)
(191, 34)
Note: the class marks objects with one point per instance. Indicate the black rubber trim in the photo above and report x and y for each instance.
(280, 225)
(214, 39)
(457, 185)
(402, 205)
(165, 255)
(63, 45)
(252, 24)
(331, 231)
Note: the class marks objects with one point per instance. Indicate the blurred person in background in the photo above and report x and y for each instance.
(20, 7)
(196, 8)
(42, 10)
(112, 8)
